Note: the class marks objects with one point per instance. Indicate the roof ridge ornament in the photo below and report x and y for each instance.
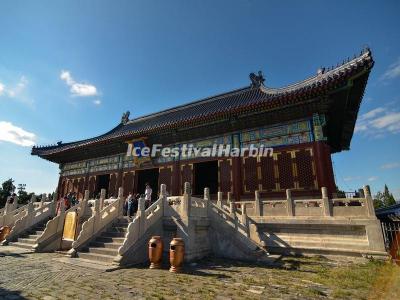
(257, 80)
(125, 117)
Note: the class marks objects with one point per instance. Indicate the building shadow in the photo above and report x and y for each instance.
(16, 255)
(6, 294)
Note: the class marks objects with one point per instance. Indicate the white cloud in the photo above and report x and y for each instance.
(352, 178)
(392, 165)
(18, 91)
(16, 135)
(76, 88)
(378, 122)
(372, 178)
(392, 72)
(97, 102)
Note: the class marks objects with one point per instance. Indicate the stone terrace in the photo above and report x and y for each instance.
(51, 276)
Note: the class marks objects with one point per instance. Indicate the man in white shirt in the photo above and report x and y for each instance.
(147, 195)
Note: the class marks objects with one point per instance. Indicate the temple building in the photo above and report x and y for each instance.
(305, 123)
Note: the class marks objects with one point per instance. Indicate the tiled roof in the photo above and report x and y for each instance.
(224, 105)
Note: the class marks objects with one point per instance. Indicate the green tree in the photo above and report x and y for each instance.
(388, 198)
(384, 199)
(7, 188)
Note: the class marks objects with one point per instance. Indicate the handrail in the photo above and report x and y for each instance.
(143, 221)
(98, 221)
(55, 226)
(30, 218)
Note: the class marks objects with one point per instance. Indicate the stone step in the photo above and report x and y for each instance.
(103, 239)
(27, 241)
(102, 251)
(21, 245)
(96, 257)
(118, 229)
(105, 245)
(113, 234)
(317, 239)
(32, 236)
(316, 244)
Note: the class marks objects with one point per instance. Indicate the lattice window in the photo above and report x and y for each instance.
(304, 169)
(165, 177)
(285, 170)
(250, 174)
(267, 173)
(186, 175)
(112, 186)
(128, 183)
(225, 170)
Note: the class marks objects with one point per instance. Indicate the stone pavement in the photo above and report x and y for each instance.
(50, 276)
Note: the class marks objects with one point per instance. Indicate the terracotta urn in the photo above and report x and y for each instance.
(155, 252)
(4, 232)
(176, 255)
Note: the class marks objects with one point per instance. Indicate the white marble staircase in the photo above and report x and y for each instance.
(28, 239)
(104, 248)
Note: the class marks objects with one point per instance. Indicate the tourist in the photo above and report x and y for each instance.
(136, 203)
(147, 195)
(129, 202)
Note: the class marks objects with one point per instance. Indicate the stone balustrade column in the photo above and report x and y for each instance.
(229, 198)
(219, 199)
(290, 203)
(258, 209)
(369, 203)
(206, 193)
(121, 201)
(102, 198)
(326, 204)
(141, 214)
(244, 214)
(163, 196)
(187, 201)
(84, 204)
(232, 209)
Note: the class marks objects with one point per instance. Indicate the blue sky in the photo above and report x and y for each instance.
(69, 69)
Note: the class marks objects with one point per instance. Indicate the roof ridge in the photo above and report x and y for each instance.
(325, 72)
(192, 103)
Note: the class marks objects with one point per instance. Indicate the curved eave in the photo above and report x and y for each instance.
(241, 101)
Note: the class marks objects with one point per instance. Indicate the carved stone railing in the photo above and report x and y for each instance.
(323, 207)
(55, 226)
(10, 217)
(30, 218)
(143, 220)
(100, 219)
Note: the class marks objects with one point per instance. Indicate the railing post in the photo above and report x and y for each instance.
(163, 196)
(206, 193)
(369, 202)
(258, 209)
(102, 197)
(7, 207)
(186, 203)
(290, 204)
(232, 209)
(84, 204)
(219, 199)
(141, 213)
(121, 201)
(244, 214)
(326, 205)
(229, 198)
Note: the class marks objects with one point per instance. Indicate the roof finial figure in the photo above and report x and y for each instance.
(257, 80)
(125, 117)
